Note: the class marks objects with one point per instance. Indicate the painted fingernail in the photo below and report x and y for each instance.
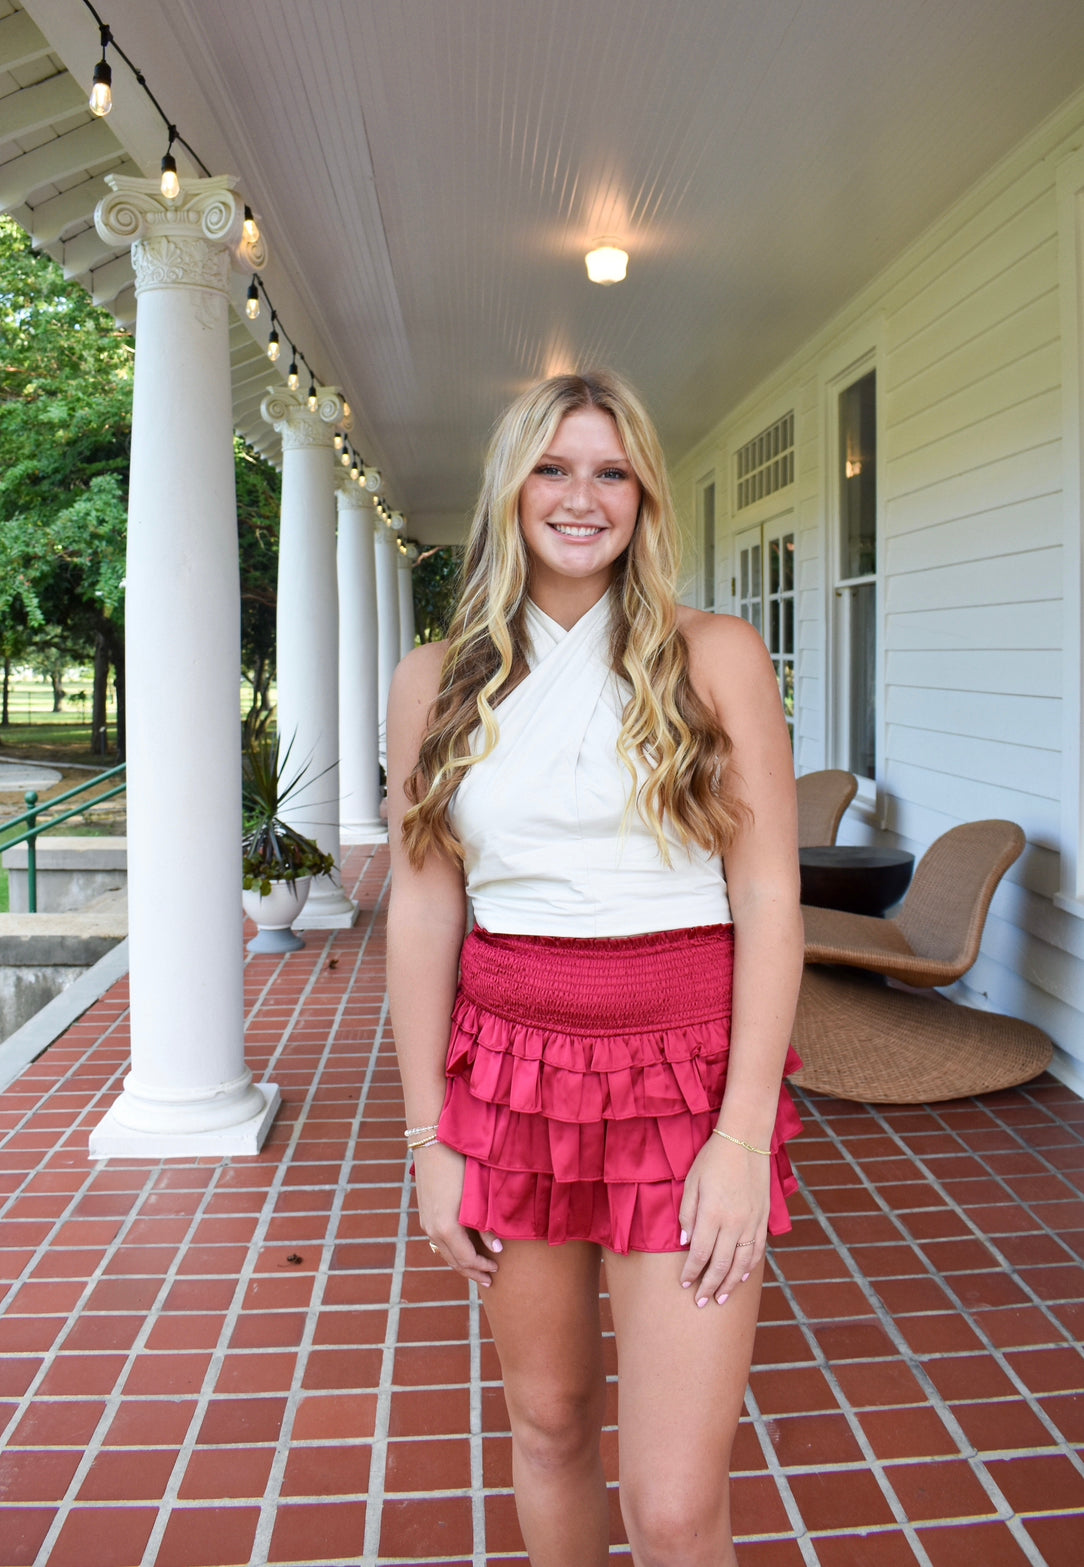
(703, 1301)
(721, 1299)
(686, 1284)
(683, 1239)
(498, 1245)
(744, 1277)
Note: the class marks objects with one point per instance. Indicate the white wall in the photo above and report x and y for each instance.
(968, 336)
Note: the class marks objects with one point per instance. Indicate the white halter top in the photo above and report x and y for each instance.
(541, 818)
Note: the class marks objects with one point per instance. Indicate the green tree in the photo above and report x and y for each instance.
(259, 499)
(65, 435)
(435, 581)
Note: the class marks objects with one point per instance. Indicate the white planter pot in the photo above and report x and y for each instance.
(275, 913)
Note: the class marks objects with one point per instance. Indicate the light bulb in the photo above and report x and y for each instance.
(101, 93)
(607, 263)
(293, 380)
(345, 457)
(274, 347)
(250, 228)
(252, 303)
(337, 440)
(354, 469)
(171, 185)
(312, 396)
(346, 410)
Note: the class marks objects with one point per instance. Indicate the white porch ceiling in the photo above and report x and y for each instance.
(429, 174)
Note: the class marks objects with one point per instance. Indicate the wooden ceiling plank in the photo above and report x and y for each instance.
(32, 107)
(48, 220)
(63, 156)
(20, 41)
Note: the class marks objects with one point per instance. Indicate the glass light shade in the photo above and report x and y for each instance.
(252, 302)
(337, 440)
(354, 470)
(312, 397)
(607, 264)
(170, 184)
(345, 457)
(293, 380)
(251, 228)
(273, 347)
(101, 93)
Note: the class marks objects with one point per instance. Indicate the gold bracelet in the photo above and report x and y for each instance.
(418, 1131)
(426, 1142)
(767, 1152)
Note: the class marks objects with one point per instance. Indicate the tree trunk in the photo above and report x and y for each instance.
(117, 649)
(58, 691)
(4, 719)
(99, 729)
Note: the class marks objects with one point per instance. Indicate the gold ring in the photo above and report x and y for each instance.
(744, 1243)
(434, 1248)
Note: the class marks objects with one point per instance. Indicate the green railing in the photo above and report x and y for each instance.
(34, 828)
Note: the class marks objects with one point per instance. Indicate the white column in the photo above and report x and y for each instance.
(188, 1091)
(358, 697)
(387, 616)
(405, 564)
(307, 635)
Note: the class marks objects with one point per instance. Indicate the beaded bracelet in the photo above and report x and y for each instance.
(426, 1142)
(767, 1152)
(418, 1131)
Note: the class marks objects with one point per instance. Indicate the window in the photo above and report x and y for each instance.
(766, 463)
(764, 593)
(707, 541)
(856, 578)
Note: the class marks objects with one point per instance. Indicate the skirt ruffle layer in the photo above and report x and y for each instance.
(574, 1135)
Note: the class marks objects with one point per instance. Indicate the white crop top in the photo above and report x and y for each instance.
(541, 818)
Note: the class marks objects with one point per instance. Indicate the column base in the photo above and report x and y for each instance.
(328, 908)
(111, 1139)
(374, 831)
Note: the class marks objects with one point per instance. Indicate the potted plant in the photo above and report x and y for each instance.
(278, 863)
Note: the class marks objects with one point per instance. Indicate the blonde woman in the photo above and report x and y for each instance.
(594, 1074)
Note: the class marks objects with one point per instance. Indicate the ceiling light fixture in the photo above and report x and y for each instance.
(607, 263)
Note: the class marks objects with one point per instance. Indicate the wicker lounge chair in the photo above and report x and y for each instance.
(822, 799)
(862, 1037)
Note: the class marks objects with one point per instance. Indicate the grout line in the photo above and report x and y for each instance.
(477, 1467)
(272, 1493)
(967, 1450)
(114, 1400)
(378, 1460)
(782, 1484)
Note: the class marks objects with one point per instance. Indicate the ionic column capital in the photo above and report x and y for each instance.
(350, 495)
(191, 241)
(297, 423)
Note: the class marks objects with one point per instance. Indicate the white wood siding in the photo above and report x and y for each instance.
(968, 332)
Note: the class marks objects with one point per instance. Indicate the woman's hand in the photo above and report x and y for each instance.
(438, 1176)
(724, 1216)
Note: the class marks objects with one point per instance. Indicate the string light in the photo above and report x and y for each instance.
(171, 185)
(101, 102)
(101, 92)
(337, 440)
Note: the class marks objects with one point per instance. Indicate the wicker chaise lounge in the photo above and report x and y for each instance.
(861, 1036)
(823, 797)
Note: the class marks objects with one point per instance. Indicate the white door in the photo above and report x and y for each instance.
(764, 595)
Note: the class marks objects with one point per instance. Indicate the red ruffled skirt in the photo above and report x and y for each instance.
(585, 1075)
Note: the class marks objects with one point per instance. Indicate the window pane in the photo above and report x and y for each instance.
(858, 478)
(788, 626)
(862, 609)
(707, 503)
(788, 563)
(773, 626)
(773, 566)
(755, 563)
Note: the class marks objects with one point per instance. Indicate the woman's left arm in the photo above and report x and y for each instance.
(727, 1192)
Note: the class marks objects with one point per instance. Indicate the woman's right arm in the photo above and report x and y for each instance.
(426, 925)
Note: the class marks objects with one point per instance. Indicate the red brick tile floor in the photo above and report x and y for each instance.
(258, 1361)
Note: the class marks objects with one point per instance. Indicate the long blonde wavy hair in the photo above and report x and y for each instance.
(665, 726)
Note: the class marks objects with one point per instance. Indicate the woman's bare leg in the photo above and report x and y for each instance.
(682, 1373)
(543, 1311)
